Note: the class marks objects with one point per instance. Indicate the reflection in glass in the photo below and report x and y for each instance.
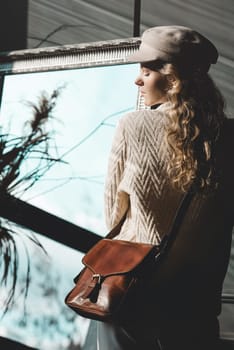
(43, 321)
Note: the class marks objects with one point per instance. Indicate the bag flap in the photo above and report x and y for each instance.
(116, 256)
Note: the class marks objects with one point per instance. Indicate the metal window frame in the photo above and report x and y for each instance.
(94, 54)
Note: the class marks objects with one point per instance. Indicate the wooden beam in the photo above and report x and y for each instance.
(13, 25)
(137, 18)
(49, 225)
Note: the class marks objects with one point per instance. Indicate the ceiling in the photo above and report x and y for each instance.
(61, 22)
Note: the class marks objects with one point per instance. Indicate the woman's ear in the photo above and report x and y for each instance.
(171, 81)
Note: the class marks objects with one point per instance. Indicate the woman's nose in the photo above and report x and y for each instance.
(138, 81)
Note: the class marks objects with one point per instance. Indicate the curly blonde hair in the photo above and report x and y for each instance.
(195, 123)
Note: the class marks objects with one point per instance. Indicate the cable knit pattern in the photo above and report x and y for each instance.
(137, 174)
(137, 184)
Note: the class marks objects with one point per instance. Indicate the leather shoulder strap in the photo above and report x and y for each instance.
(176, 222)
(116, 230)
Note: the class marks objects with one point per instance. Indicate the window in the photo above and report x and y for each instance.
(93, 95)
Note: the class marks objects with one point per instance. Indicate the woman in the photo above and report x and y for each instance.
(183, 141)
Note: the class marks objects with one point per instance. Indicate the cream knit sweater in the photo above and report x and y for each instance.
(137, 183)
(136, 174)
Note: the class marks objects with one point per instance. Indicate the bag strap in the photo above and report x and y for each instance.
(116, 230)
(179, 214)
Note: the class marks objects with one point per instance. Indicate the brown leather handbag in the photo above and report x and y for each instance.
(117, 271)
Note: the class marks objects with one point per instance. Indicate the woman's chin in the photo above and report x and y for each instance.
(147, 103)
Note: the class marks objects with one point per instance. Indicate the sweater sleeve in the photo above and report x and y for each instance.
(116, 201)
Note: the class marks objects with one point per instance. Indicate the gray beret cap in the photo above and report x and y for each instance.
(175, 44)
